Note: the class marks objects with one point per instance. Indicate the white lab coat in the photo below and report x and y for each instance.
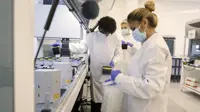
(148, 77)
(102, 50)
(127, 56)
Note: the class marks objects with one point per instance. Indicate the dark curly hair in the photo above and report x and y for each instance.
(107, 24)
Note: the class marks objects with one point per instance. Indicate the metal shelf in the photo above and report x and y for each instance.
(191, 89)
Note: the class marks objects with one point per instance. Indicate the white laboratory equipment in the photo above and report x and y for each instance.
(39, 63)
(66, 73)
(47, 104)
(47, 81)
(48, 63)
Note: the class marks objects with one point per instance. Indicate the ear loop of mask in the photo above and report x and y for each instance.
(143, 32)
(144, 29)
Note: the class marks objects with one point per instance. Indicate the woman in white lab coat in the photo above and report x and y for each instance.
(149, 71)
(132, 45)
(104, 49)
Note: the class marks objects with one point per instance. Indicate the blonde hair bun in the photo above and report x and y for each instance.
(150, 5)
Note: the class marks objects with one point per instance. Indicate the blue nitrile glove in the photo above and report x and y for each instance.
(111, 81)
(130, 44)
(114, 74)
(55, 45)
(123, 42)
(108, 80)
(112, 64)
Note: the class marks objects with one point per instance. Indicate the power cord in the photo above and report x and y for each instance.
(189, 69)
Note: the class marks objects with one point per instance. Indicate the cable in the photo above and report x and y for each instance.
(112, 4)
(92, 29)
(188, 69)
(40, 46)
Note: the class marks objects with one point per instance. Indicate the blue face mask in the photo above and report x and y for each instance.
(139, 36)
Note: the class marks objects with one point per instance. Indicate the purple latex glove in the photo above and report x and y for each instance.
(130, 44)
(123, 42)
(114, 74)
(112, 64)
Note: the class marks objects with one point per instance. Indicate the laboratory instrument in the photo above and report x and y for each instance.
(106, 70)
(47, 81)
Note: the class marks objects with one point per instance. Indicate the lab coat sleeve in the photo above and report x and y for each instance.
(153, 81)
(134, 49)
(88, 42)
(118, 52)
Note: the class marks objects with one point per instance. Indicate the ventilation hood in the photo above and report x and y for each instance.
(193, 25)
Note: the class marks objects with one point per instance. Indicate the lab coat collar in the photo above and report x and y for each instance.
(154, 36)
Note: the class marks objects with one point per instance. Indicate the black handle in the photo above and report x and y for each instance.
(51, 14)
(47, 25)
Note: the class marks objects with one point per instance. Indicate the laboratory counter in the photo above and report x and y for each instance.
(68, 99)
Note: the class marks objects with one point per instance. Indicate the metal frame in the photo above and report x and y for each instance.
(76, 13)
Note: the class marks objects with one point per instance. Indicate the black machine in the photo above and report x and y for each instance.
(65, 51)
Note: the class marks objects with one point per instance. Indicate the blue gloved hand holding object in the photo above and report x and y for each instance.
(114, 74)
(130, 44)
(112, 64)
(123, 42)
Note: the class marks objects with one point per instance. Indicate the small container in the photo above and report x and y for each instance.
(106, 70)
(124, 46)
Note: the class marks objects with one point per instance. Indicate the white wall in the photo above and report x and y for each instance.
(172, 19)
(175, 25)
(119, 12)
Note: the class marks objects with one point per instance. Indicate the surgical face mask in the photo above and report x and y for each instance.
(138, 35)
(125, 32)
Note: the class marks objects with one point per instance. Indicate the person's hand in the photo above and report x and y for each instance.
(123, 42)
(112, 64)
(114, 74)
(130, 44)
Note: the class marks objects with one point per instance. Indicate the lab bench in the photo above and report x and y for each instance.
(68, 99)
